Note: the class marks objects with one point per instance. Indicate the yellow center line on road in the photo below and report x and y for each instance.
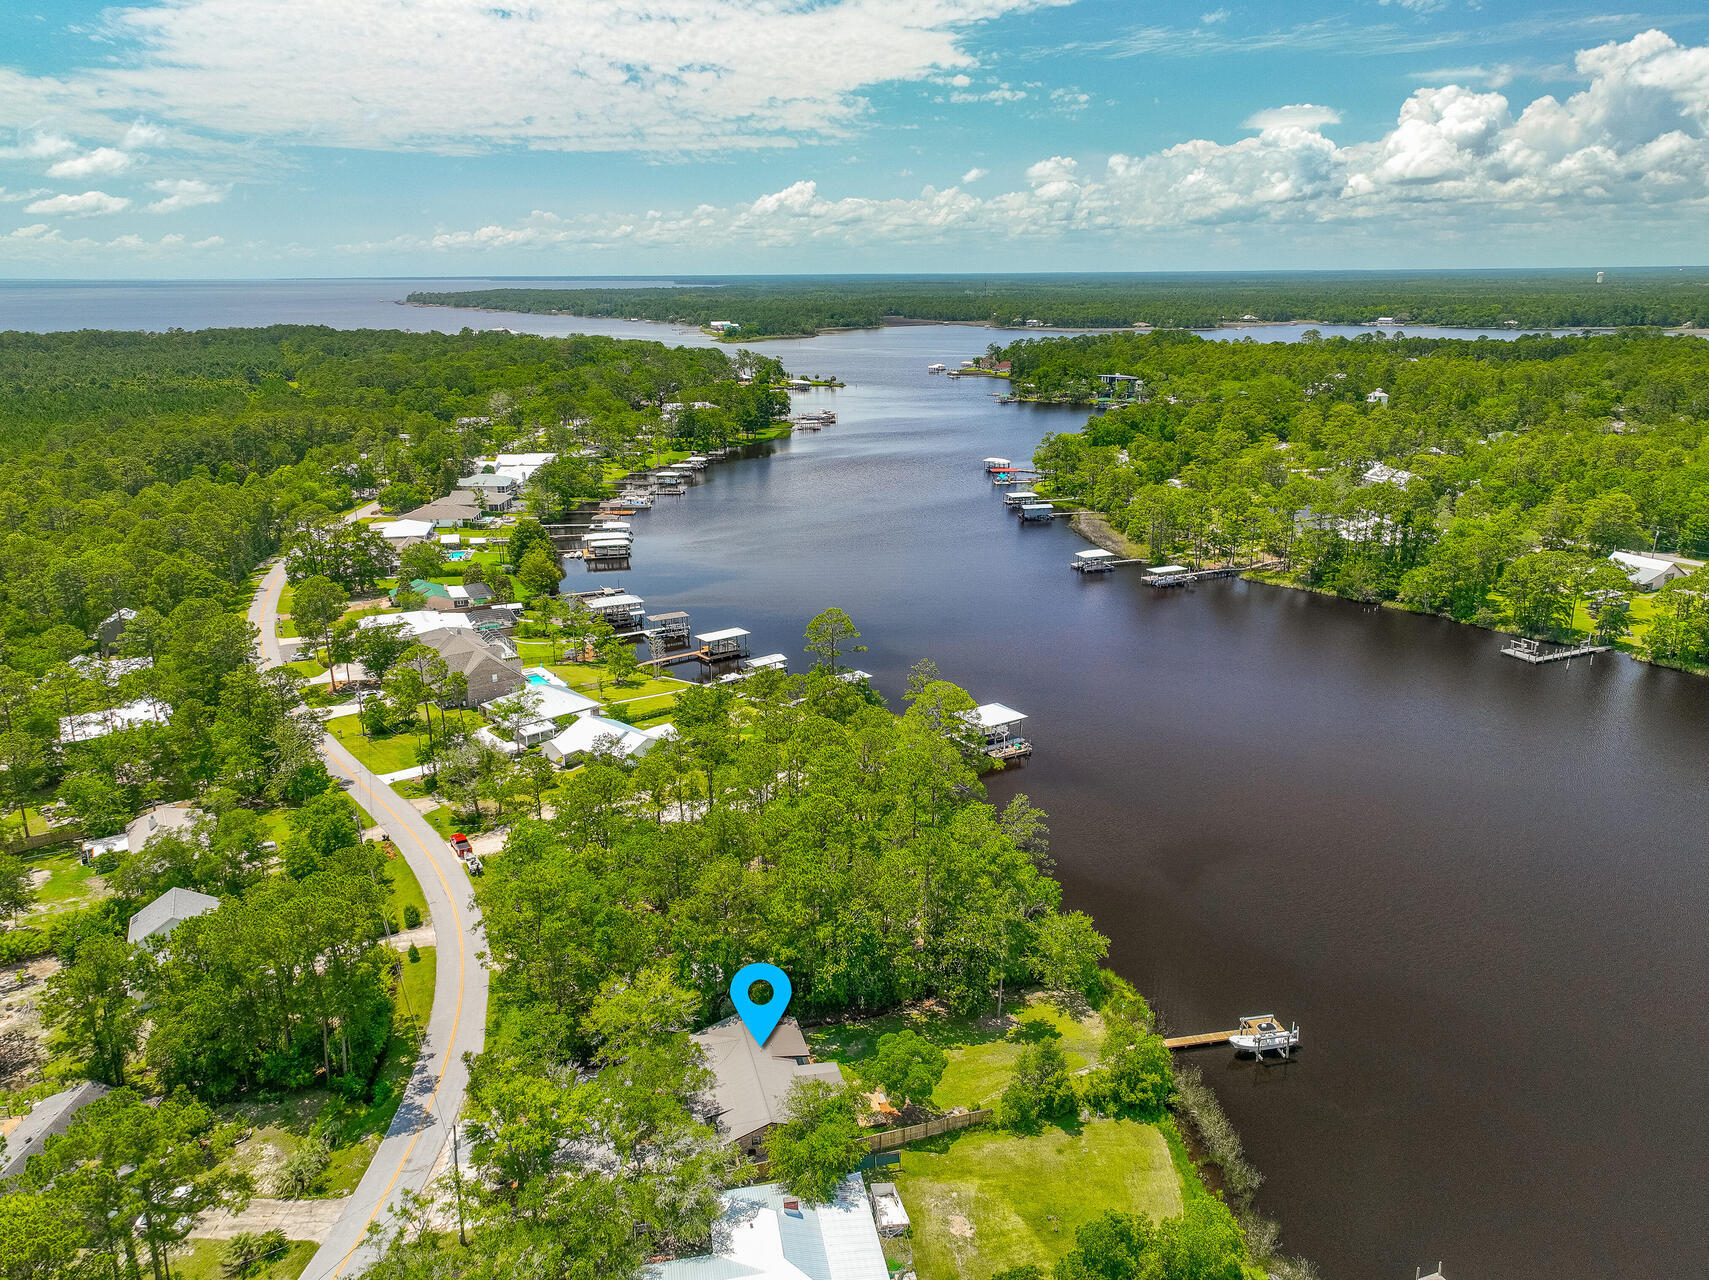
(456, 1027)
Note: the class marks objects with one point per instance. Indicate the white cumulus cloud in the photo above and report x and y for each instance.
(1635, 137)
(99, 163)
(973, 175)
(90, 202)
(186, 193)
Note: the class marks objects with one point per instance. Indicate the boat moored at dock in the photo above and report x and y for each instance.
(1262, 1033)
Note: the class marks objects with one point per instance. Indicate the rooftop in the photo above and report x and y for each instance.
(765, 1234)
(171, 909)
(993, 715)
(751, 1081)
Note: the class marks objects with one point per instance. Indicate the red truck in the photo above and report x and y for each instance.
(466, 853)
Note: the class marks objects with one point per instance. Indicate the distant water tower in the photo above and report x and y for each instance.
(1601, 276)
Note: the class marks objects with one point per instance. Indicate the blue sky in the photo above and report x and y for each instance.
(433, 137)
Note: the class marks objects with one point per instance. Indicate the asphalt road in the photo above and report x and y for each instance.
(420, 1132)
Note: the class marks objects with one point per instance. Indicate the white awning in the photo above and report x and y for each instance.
(614, 602)
(770, 660)
(994, 715)
(1099, 554)
(996, 462)
(729, 633)
(1170, 568)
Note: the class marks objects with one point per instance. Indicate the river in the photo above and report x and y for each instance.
(1477, 885)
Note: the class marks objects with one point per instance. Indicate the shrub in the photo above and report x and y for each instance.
(412, 916)
(247, 1250)
(414, 954)
(302, 1170)
(1039, 1090)
(906, 1066)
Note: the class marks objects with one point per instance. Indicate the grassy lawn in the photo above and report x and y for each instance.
(354, 1129)
(984, 1200)
(200, 1260)
(69, 884)
(382, 755)
(584, 677)
(304, 668)
(982, 1051)
(646, 712)
(406, 891)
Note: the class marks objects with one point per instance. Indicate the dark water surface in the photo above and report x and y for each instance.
(1478, 886)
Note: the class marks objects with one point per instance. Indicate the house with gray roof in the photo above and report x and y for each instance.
(50, 1117)
(171, 909)
(488, 675)
(751, 1081)
(448, 512)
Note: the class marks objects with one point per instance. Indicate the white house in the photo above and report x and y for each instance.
(764, 1233)
(98, 724)
(587, 735)
(542, 700)
(1378, 473)
(1379, 396)
(1650, 573)
(420, 622)
(402, 530)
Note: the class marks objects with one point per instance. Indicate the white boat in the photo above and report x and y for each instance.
(1262, 1033)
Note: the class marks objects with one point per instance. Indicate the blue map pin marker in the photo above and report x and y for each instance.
(761, 1019)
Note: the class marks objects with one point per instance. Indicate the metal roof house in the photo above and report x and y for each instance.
(763, 1233)
(1649, 573)
(751, 1081)
(98, 724)
(171, 909)
(593, 735)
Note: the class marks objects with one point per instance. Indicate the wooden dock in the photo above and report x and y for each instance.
(1199, 1042)
(1530, 651)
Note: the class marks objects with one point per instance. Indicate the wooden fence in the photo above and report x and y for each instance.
(890, 1139)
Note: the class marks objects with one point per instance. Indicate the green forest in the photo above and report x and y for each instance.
(1487, 481)
(790, 306)
(797, 820)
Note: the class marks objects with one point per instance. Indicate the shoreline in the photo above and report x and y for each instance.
(910, 322)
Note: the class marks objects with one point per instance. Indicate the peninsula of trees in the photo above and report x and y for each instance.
(796, 306)
(1487, 481)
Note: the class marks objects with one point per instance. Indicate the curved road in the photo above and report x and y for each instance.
(420, 1132)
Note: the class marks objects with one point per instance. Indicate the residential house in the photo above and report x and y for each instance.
(180, 815)
(402, 532)
(420, 622)
(519, 466)
(448, 512)
(27, 1135)
(171, 909)
(1378, 473)
(453, 598)
(112, 627)
(751, 1081)
(496, 491)
(488, 675)
(1379, 396)
(764, 1233)
(98, 724)
(590, 735)
(1651, 573)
